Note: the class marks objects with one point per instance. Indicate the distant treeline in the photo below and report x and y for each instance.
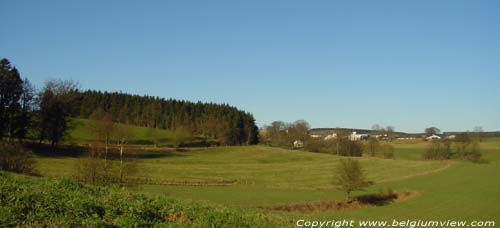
(222, 122)
(26, 112)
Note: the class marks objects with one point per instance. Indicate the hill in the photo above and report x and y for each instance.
(225, 123)
(38, 202)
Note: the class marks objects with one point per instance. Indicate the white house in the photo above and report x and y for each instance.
(432, 137)
(451, 136)
(298, 144)
(332, 136)
(356, 137)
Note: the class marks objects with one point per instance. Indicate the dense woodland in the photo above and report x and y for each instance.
(46, 112)
(222, 122)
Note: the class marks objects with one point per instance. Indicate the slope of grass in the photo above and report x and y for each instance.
(465, 191)
(81, 133)
(257, 174)
(260, 175)
(37, 202)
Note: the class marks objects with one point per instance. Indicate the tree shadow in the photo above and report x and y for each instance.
(75, 151)
(379, 199)
(45, 150)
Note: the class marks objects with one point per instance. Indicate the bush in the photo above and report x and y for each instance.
(350, 148)
(466, 148)
(14, 158)
(372, 146)
(438, 150)
(387, 151)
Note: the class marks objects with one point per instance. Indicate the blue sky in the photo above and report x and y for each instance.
(409, 64)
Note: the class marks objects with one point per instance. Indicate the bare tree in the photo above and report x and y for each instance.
(123, 134)
(390, 132)
(180, 136)
(377, 129)
(350, 176)
(155, 135)
(102, 127)
(372, 146)
(56, 105)
(478, 133)
(90, 167)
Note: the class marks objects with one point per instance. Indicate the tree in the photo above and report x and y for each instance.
(390, 132)
(387, 151)
(24, 121)
(478, 133)
(377, 129)
(155, 135)
(299, 130)
(90, 168)
(57, 104)
(276, 133)
(438, 150)
(102, 127)
(432, 131)
(372, 146)
(11, 90)
(180, 136)
(123, 133)
(350, 176)
(467, 147)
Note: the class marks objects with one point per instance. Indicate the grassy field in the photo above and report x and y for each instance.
(260, 175)
(81, 133)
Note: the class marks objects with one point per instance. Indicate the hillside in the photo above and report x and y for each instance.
(81, 133)
(246, 175)
(38, 202)
(254, 176)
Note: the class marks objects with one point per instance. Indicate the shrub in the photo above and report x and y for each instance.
(438, 150)
(372, 146)
(466, 148)
(14, 158)
(347, 147)
(387, 151)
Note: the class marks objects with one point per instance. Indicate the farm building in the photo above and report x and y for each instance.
(298, 144)
(432, 137)
(332, 136)
(356, 137)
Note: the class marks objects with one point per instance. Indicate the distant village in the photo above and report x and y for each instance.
(362, 134)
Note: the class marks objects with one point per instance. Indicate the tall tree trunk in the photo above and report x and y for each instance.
(106, 160)
(121, 162)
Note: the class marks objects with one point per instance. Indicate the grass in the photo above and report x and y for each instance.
(263, 175)
(266, 176)
(37, 202)
(81, 133)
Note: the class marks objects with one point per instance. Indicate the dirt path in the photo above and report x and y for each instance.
(448, 165)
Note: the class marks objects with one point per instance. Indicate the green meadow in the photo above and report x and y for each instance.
(251, 176)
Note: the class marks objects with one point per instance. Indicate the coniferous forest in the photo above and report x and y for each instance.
(224, 123)
(46, 112)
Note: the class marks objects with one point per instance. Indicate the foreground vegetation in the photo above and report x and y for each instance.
(253, 177)
(37, 202)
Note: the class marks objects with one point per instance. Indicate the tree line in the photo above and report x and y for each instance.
(283, 134)
(44, 114)
(224, 123)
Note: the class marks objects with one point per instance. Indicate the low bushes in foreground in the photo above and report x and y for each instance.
(38, 202)
(15, 158)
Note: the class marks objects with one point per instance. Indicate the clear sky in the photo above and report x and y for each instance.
(410, 64)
